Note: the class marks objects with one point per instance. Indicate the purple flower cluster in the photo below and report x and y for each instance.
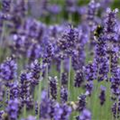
(82, 102)
(102, 95)
(79, 78)
(8, 71)
(13, 109)
(90, 76)
(86, 115)
(30, 118)
(53, 87)
(64, 94)
(68, 41)
(62, 112)
(49, 109)
(48, 64)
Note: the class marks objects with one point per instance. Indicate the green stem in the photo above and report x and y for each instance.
(46, 78)
(39, 93)
(2, 34)
(39, 99)
(95, 98)
(101, 112)
(70, 18)
(117, 109)
(1, 41)
(61, 71)
(69, 76)
(24, 111)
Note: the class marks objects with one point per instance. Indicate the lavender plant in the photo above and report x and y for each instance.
(59, 60)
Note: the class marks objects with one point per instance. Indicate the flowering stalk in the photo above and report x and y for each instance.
(7, 95)
(2, 39)
(95, 97)
(46, 78)
(117, 115)
(24, 111)
(39, 99)
(39, 93)
(70, 62)
(70, 18)
(61, 71)
(69, 75)
(2, 34)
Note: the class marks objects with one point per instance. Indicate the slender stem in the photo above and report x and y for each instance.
(70, 18)
(76, 93)
(96, 96)
(39, 100)
(109, 75)
(7, 94)
(39, 94)
(69, 76)
(117, 110)
(2, 34)
(24, 111)
(46, 77)
(1, 40)
(101, 112)
(61, 72)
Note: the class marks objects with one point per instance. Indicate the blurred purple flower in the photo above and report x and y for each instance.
(64, 94)
(53, 87)
(102, 95)
(85, 115)
(8, 70)
(13, 109)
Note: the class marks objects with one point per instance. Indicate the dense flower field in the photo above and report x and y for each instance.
(59, 60)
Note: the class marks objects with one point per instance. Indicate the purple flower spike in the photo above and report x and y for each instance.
(8, 71)
(13, 109)
(30, 118)
(64, 94)
(102, 96)
(85, 115)
(6, 5)
(53, 87)
(64, 79)
(82, 102)
(79, 78)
